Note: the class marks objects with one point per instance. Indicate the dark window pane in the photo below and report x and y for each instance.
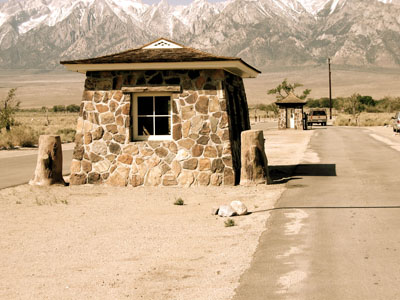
(163, 125)
(145, 105)
(163, 105)
(145, 126)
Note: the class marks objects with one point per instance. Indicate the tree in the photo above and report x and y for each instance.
(367, 100)
(8, 107)
(353, 106)
(284, 88)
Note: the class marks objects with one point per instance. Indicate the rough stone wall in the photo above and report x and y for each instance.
(199, 152)
(239, 117)
(298, 118)
(282, 118)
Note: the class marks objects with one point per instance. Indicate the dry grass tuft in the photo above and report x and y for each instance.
(229, 223)
(179, 201)
(33, 124)
(364, 119)
(22, 136)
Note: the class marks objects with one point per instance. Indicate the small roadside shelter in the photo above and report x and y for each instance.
(160, 115)
(291, 112)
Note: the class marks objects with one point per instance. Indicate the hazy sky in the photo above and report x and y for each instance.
(173, 2)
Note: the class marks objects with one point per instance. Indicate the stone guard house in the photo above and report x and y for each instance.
(162, 114)
(291, 112)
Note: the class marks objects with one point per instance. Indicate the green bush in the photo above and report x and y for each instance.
(8, 107)
(229, 222)
(179, 201)
(357, 103)
(73, 108)
(59, 108)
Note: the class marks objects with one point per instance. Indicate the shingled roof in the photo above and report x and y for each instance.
(291, 99)
(156, 56)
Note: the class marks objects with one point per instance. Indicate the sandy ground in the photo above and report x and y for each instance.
(39, 88)
(99, 242)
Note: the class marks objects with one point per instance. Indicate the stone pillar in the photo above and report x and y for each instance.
(254, 169)
(49, 163)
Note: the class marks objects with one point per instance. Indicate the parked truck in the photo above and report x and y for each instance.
(317, 116)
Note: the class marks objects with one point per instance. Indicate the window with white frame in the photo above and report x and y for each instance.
(151, 116)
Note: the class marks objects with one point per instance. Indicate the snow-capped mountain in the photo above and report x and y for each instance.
(40, 33)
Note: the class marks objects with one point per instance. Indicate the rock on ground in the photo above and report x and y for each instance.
(226, 211)
(239, 207)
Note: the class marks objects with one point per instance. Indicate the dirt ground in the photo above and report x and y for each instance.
(100, 242)
(38, 88)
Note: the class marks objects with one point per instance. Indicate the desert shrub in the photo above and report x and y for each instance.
(388, 104)
(322, 103)
(22, 136)
(73, 108)
(66, 134)
(366, 100)
(364, 119)
(8, 107)
(179, 201)
(273, 108)
(229, 222)
(59, 108)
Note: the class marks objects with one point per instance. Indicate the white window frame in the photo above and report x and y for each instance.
(135, 116)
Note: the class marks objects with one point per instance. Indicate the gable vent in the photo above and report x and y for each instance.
(162, 44)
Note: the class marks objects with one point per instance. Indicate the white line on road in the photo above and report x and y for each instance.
(395, 146)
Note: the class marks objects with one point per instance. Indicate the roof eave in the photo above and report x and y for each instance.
(237, 67)
(285, 103)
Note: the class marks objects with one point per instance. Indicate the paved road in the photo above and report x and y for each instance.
(19, 169)
(336, 231)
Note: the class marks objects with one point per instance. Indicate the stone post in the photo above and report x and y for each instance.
(254, 168)
(49, 163)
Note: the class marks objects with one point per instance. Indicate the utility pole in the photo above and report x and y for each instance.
(330, 89)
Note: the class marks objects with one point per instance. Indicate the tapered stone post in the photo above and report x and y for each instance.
(254, 168)
(49, 163)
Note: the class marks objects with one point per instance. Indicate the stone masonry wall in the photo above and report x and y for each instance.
(282, 118)
(298, 118)
(200, 151)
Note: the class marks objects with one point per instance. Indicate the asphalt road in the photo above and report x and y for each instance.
(335, 232)
(20, 169)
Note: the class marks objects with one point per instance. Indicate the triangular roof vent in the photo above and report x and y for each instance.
(162, 44)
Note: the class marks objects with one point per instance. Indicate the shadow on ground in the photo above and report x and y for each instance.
(283, 174)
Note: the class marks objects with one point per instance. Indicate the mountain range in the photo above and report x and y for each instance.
(39, 33)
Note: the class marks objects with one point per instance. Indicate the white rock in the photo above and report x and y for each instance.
(239, 207)
(214, 211)
(226, 211)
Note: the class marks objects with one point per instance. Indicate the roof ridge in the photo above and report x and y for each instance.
(159, 39)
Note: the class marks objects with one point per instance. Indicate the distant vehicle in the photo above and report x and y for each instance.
(317, 116)
(396, 123)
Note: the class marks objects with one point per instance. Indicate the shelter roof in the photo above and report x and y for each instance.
(162, 54)
(291, 99)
